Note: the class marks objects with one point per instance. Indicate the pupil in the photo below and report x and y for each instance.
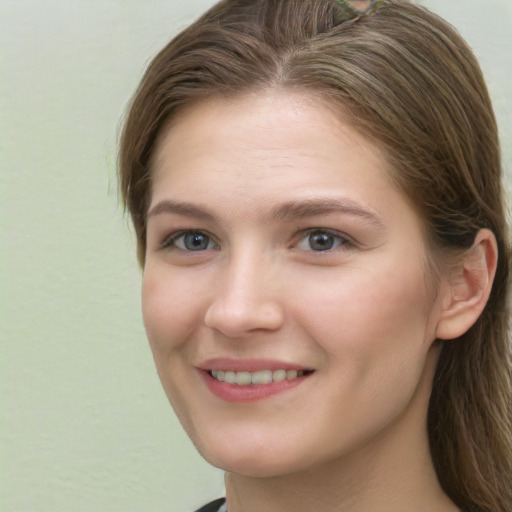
(196, 242)
(321, 241)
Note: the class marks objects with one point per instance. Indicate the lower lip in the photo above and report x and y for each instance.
(252, 393)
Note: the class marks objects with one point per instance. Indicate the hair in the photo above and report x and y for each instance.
(405, 79)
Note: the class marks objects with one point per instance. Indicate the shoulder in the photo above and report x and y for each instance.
(214, 506)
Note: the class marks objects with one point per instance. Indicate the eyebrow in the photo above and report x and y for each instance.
(288, 211)
(180, 208)
(321, 206)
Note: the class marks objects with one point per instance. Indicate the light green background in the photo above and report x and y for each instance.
(84, 425)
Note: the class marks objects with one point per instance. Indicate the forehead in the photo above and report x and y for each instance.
(260, 136)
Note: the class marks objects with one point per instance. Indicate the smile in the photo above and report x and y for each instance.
(248, 381)
(260, 377)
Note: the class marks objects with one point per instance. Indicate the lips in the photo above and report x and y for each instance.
(249, 380)
(248, 365)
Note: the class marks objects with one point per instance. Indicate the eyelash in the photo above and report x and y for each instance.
(170, 242)
(338, 240)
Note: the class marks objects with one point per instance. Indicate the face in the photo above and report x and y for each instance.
(285, 295)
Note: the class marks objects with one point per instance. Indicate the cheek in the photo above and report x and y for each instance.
(382, 306)
(169, 308)
(170, 318)
(374, 327)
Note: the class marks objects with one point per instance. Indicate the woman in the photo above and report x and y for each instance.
(316, 192)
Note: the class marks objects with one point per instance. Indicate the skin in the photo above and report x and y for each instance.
(364, 314)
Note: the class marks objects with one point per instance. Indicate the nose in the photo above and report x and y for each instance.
(245, 299)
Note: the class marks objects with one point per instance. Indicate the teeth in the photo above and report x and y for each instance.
(263, 377)
(243, 378)
(229, 377)
(291, 374)
(259, 377)
(279, 375)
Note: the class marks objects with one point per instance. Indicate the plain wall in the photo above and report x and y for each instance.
(84, 424)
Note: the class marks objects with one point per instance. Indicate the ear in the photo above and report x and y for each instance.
(468, 287)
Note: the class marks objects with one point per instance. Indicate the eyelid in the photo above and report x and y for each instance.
(169, 241)
(345, 240)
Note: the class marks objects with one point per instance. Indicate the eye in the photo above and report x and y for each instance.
(320, 240)
(190, 241)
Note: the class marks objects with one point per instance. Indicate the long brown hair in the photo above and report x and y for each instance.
(405, 79)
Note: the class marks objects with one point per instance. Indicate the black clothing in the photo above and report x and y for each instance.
(214, 506)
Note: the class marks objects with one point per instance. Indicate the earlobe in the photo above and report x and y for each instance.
(467, 289)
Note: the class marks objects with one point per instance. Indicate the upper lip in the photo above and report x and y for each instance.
(248, 365)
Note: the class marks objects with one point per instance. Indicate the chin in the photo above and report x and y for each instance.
(250, 459)
(254, 467)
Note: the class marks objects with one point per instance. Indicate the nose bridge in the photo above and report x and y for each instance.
(245, 298)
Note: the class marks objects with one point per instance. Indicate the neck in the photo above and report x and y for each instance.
(370, 484)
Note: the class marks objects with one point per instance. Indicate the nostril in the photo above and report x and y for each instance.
(237, 318)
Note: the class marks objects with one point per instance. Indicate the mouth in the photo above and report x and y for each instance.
(257, 378)
(251, 380)
(248, 380)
